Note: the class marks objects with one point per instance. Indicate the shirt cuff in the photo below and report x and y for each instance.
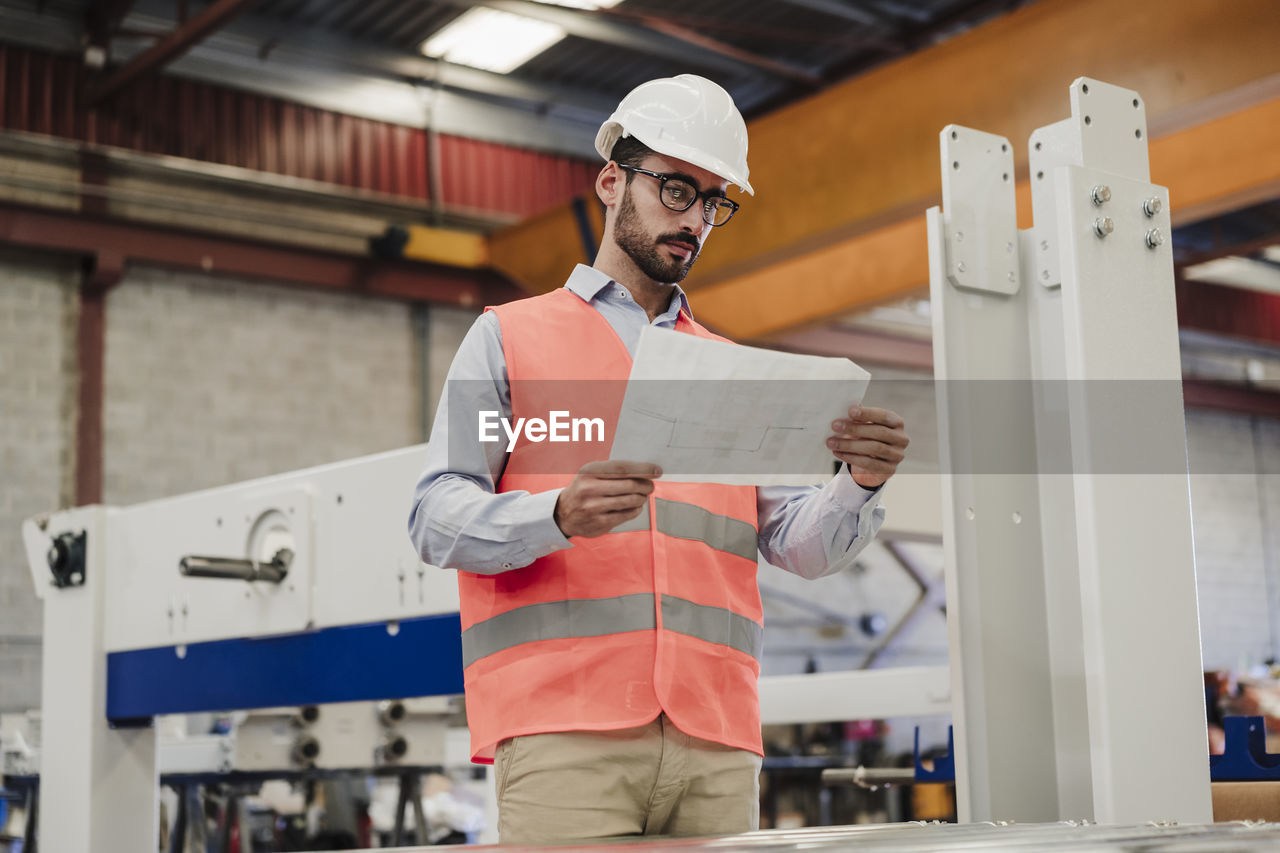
(847, 494)
(543, 535)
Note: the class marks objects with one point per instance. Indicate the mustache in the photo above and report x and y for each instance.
(682, 239)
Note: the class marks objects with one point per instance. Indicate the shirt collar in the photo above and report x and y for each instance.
(587, 282)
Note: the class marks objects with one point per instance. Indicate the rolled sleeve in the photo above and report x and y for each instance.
(816, 532)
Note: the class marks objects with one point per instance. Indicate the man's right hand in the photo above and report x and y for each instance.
(604, 495)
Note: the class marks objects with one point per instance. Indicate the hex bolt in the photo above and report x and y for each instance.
(1100, 195)
(1154, 238)
(1152, 206)
(1103, 225)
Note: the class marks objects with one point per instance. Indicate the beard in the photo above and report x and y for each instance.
(646, 251)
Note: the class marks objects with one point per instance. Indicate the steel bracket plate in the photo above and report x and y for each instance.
(1107, 131)
(981, 214)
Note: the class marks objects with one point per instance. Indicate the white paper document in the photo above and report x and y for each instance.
(713, 412)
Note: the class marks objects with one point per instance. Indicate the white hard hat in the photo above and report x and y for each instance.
(687, 117)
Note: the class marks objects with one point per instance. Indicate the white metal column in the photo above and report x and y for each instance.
(1000, 694)
(98, 784)
(1077, 687)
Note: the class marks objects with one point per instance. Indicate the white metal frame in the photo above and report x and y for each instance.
(1076, 668)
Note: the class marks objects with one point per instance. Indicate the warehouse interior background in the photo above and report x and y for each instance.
(242, 238)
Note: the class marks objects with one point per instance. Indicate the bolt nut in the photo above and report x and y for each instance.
(305, 750)
(1103, 225)
(1100, 195)
(390, 713)
(1154, 238)
(394, 747)
(1152, 206)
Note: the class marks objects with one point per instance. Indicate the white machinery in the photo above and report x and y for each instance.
(1071, 590)
(323, 600)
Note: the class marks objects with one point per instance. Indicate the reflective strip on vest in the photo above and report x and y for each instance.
(713, 624)
(595, 617)
(556, 620)
(689, 521)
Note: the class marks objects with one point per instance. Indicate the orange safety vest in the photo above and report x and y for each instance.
(661, 614)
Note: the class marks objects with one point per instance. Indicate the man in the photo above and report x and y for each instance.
(611, 621)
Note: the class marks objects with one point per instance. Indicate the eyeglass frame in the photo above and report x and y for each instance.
(704, 196)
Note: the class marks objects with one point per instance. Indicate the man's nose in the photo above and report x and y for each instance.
(691, 219)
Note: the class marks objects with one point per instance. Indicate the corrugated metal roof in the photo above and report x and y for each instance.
(765, 52)
(820, 37)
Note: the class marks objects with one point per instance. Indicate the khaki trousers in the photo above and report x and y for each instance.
(651, 780)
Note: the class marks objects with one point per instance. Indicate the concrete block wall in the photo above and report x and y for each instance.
(207, 381)
(1235, 500)
(211, 382)
(446, 327)
(37, 411)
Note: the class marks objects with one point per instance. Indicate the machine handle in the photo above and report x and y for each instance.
(868, 777)
(234, 568)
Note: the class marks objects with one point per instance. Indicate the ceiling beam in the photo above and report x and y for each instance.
(845, 175)
(182, 39)
(892, 261)
(864, 347)
(698, 40)
(128, 242)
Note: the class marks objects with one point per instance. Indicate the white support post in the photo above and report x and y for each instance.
(97, 784)
(1001, 697)
(1075, 646)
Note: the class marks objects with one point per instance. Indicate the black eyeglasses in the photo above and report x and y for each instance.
(679, 195)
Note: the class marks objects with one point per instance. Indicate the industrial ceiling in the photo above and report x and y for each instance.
(364, 56)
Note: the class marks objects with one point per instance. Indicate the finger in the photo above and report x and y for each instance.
(872, 449)
(874, 432)
(872, 414)
(610, 520)
(617, 503)
(614, 468)
(602, 487)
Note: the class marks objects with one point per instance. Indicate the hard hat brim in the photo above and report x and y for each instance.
(611, 131)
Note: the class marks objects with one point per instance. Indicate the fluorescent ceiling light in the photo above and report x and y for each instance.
(491, 40)
(584, 4)
(1237, 272)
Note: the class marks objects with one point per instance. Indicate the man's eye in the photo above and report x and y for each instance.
(679, 192)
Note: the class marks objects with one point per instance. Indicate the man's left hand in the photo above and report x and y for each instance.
(872, 442)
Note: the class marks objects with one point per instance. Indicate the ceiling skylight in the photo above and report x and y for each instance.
(584, 4)
(492, 40)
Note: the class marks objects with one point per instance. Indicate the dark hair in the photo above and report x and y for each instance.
(629, 151)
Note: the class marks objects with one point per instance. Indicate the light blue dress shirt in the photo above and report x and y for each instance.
(458, 522)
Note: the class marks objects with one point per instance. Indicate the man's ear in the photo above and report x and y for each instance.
(609, 184)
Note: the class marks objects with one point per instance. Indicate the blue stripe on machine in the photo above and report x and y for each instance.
(344, 664)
